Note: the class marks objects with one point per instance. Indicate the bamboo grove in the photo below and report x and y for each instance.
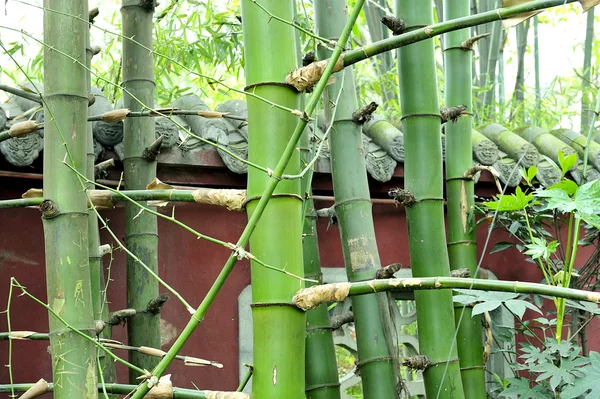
(293, 347)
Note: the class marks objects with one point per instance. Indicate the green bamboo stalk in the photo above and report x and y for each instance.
(124, 389)
(426, 234)
(374, 11)
(106, 367)
(361, 53)
(274, 179)
(501, 86)
(483, 46)
(462, 247)
(64, 212)
(519, 91)
(308, 298)
(586, 104)
(536, 66)
(279, 330)
(354, 212)
(489, 78)
(322, 380)
(141, 231)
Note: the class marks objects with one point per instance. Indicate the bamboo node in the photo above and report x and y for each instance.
(49, 209)
(99, 326)
(306, 77)
(397, 26)
(469, 43)
(156, 184)
(461, 273)
(402, 196)
(453, 113)
(232, 199)
(116, 115)
(37, 389)
(23, 128)
(388, 271)
(364, 114)
(417, 362)
(309, 58)
(151, 152)
(155, 305)
(312, 297)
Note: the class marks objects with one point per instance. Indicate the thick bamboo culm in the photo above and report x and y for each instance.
(278, 329)
(462, 248)
(353, 210)
(425, 218)
(64, 216)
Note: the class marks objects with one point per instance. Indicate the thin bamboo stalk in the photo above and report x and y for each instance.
(354, 212)
(586, 104)
(426, 233)
(141, 230)
(308, 298)
(273, 182)
(489, 78)
(519, 92)
(64, 213)
(462, 247)
(536, 66)
(106, 367)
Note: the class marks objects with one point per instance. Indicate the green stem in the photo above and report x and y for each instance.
(258, 211)
(394, 42)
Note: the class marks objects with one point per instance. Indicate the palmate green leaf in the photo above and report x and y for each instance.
(568, 186)
(587, 197)
(518, 307)
(514, 202)
(590, 381)
(540, 248)
(519, 388)
(557, 199)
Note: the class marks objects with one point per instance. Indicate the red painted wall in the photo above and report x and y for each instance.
(190, 265)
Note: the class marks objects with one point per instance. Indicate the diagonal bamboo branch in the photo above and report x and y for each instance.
(427, 32)
(274, 180)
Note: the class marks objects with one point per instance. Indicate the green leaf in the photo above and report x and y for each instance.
(501, 246)
(519, 388)
(568, 186)
(557, 199)
(566, 163)
(587, 197)
(591, 380)
(487, 306)
(531, 172)
(540, 249)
